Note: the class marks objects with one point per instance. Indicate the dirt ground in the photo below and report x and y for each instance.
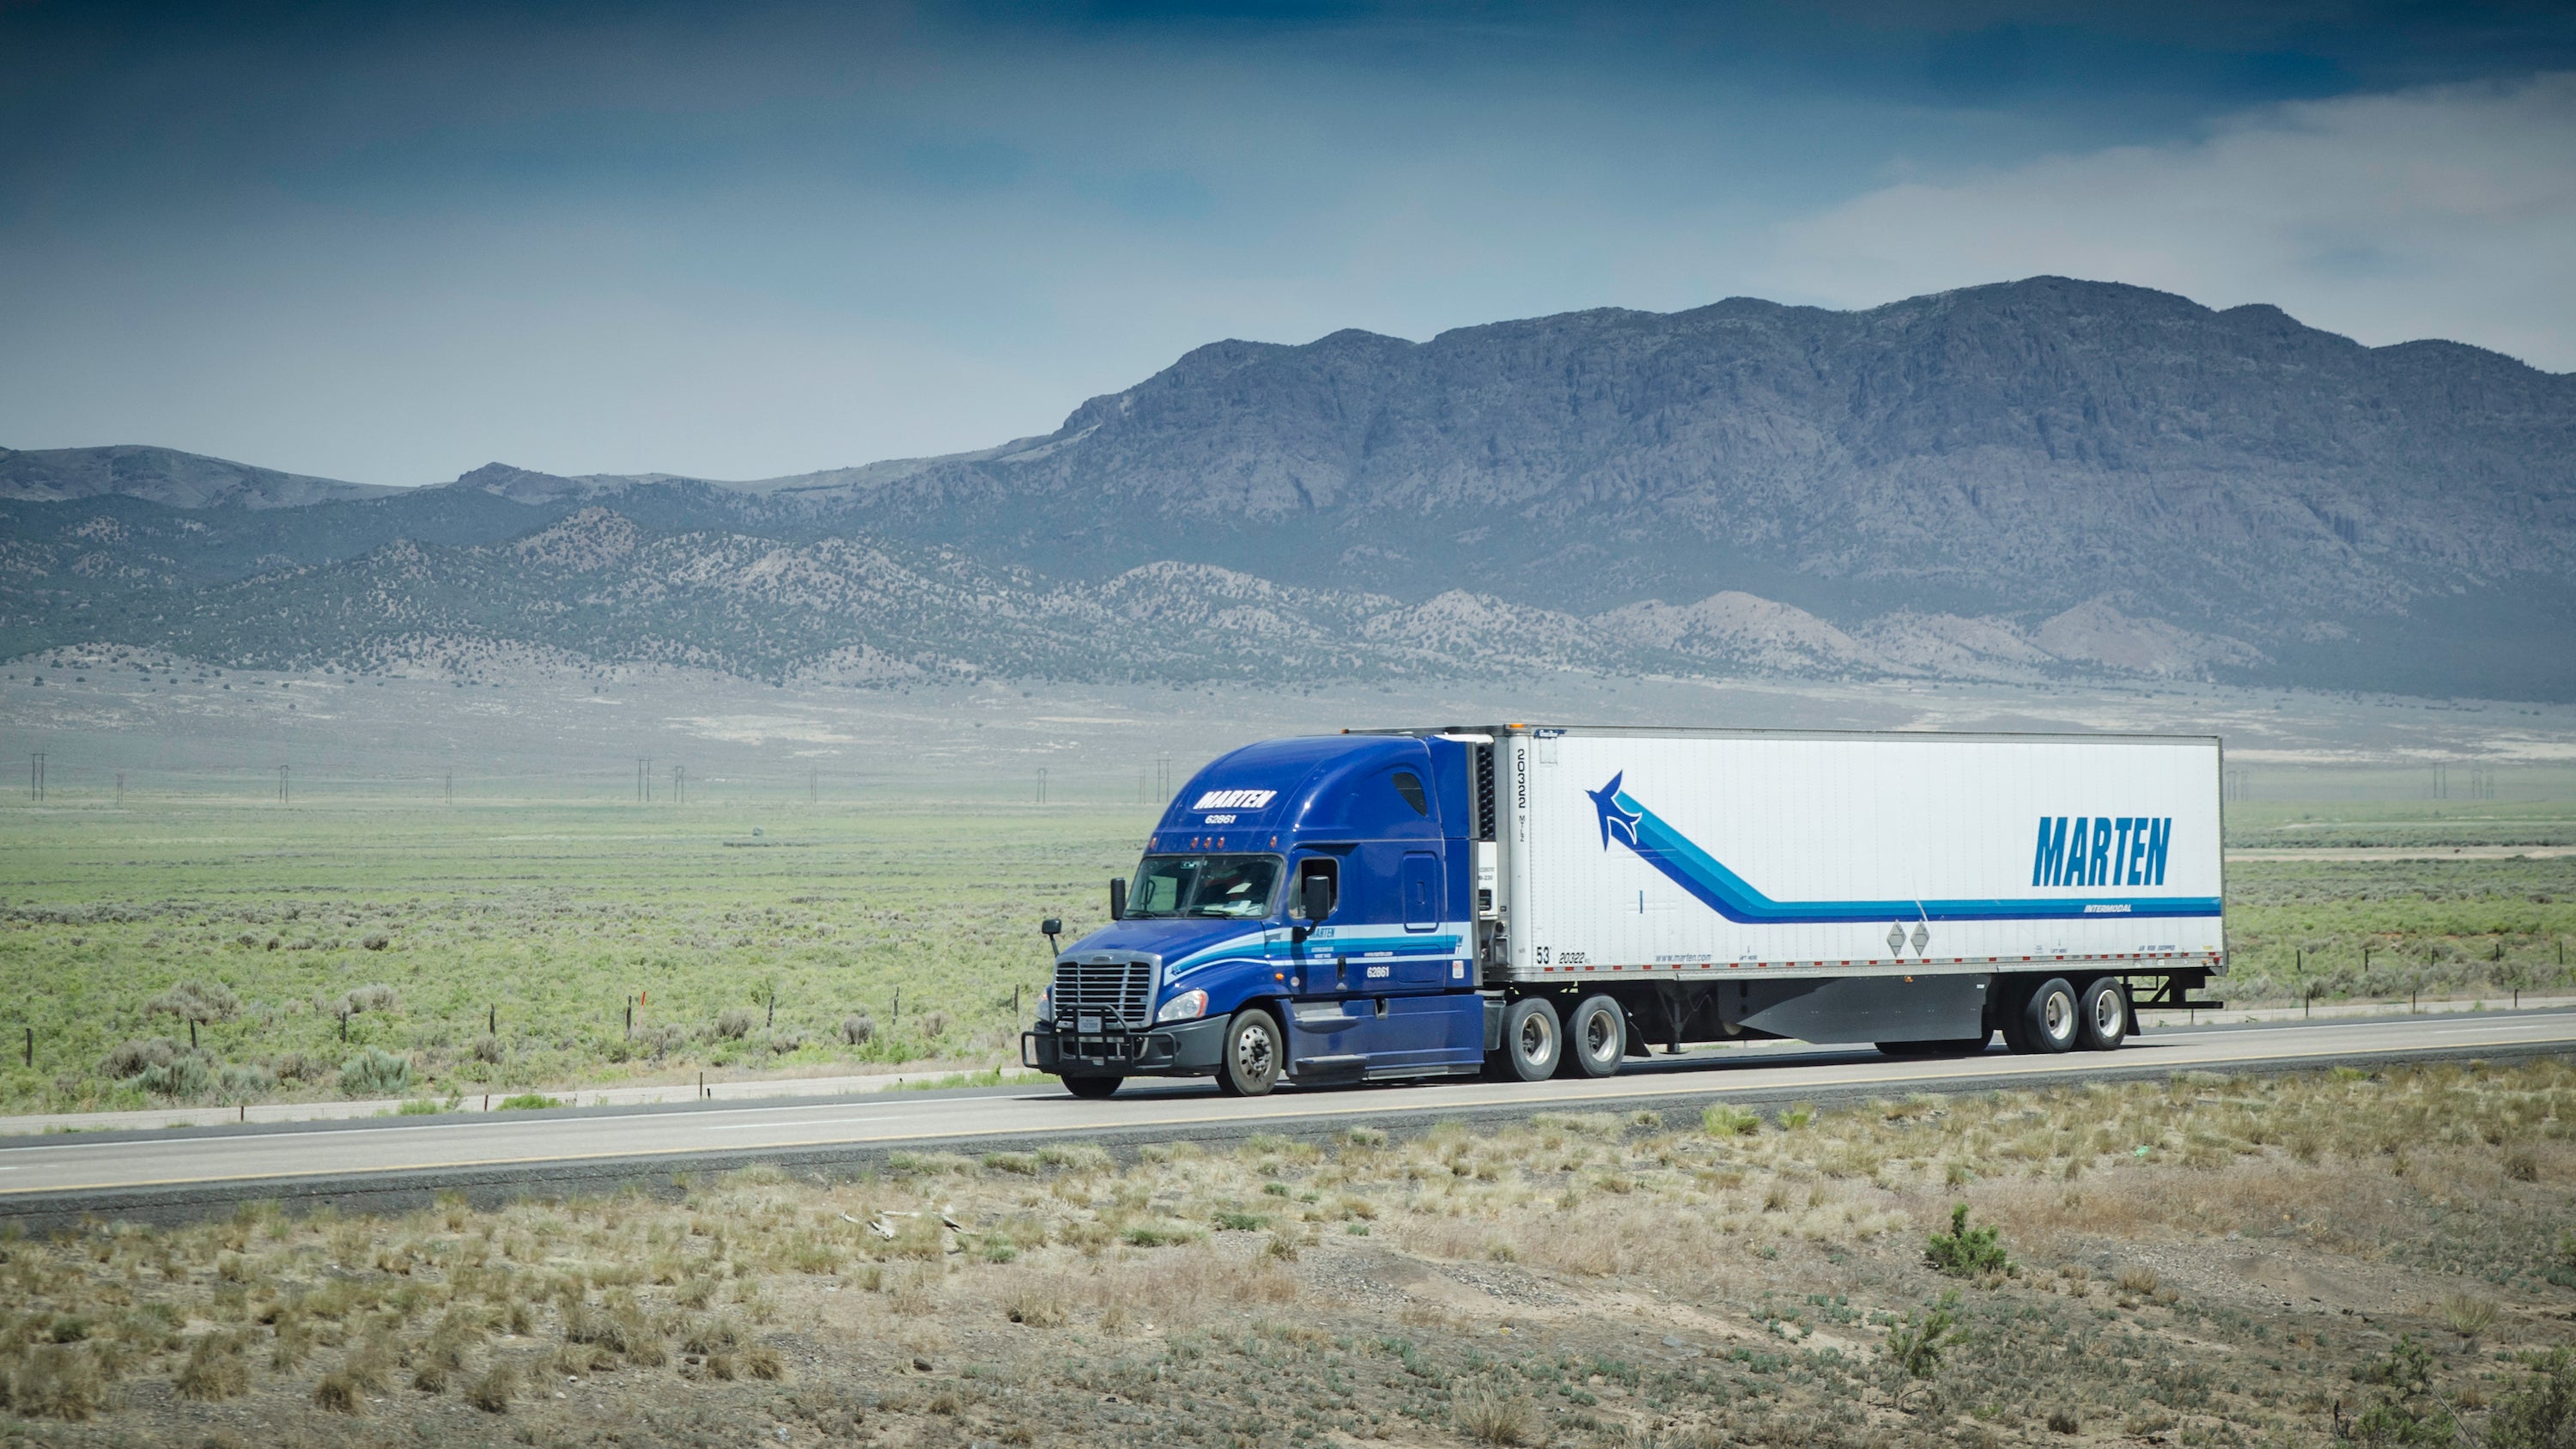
(2203, 1261)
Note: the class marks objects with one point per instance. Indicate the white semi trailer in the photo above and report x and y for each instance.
(1917, 891)
(1527, 900)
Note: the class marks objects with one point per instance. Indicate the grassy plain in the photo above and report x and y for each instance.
(2293, 1260)
(493, 948)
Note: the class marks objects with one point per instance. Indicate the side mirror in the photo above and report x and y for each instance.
(1050, 928)
(1118, 898)
(1317, 896)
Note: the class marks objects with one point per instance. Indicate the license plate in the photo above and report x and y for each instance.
(1088, 1023)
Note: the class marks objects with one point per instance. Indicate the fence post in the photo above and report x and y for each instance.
(630, 1016)
(31, 1046)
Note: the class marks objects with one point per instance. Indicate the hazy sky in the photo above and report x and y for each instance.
(390, 243)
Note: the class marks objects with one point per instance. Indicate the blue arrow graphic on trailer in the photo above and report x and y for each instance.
(1679, 858)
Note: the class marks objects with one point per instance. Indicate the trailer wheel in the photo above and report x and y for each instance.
(1250, 1067)
(1531, 1039)
(2050, 1020)
(2106, 1014)
(1596, 1038)
(1094, 1088)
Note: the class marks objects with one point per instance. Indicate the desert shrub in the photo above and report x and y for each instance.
(377, 941)
(526, 1102)
(1490, 1419)
(375, 1072)
(935, 1025)
(340, 1394)
(197, 1001)
(788, 1040)
(491, 1393)
(2468, 1314)
(660, 1041)
(375, 996)
(215, 1369)
(1966, 1252)
(2542, 1414)
(734, 1023)
(858, 1028)
(247, 1080)
(1914, 1344)
(488, 1050)
(2141, 1281)
(58, 1381)
(762, 1362)
(1724, 1121)
(184, 1078)
(129, 1059)
(297, 1067)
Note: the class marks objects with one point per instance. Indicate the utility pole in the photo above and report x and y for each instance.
(813, 786)
(36, 776)
(1042, 785)
(643, 779)
(282, 789)
(120, 789)
(451, 787)
(679, 784)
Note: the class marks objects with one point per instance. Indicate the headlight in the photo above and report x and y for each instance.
(1046, 1004)
(1188, 1006)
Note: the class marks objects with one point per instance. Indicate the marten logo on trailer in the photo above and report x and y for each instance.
(2102, 850)
(1234, 799)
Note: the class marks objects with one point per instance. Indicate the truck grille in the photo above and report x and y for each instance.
(1118, 992)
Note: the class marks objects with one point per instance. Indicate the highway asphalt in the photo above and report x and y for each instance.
(386, 1164)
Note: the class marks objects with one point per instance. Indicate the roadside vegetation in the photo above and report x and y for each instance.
(190, 953)
(214, 954)
(2380, 1259)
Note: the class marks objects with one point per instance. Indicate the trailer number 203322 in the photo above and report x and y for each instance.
(1550, 956)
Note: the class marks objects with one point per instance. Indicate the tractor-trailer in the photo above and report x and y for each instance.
(1524, 901)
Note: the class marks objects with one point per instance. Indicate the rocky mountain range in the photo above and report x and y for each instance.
(2038, 479)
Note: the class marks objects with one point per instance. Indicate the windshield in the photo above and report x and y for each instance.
(1231, 887)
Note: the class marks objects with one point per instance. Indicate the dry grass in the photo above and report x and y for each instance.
(1659, 1281)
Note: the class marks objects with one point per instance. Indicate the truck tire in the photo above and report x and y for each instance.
(1531, 1040)
(1596, 1037)
(2050, 1020)
(1093, 1088)
(1250, 1066)
(2104, 1014)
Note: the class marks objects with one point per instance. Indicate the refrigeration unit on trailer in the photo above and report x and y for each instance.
(1524, 901)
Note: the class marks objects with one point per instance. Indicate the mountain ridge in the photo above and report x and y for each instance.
(2042, 476)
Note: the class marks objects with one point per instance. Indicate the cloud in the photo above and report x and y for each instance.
(2442, 212)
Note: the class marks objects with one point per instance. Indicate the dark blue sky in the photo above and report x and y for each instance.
(737, 240)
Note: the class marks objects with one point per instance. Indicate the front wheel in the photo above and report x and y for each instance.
(1531, 1040)
(1093, 1088)
(1597, 1037)
(2105, 1014)
(1251, 1064)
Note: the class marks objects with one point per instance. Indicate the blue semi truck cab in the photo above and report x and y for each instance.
(1306, 908)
